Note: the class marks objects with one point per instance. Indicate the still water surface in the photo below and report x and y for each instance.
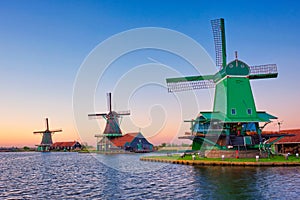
(94, 176)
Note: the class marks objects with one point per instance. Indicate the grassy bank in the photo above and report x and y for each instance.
(188, 160)
(276, 158)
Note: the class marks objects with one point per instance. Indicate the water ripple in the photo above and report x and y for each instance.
(81, 176)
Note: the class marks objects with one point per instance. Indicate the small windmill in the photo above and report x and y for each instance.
(279, 124)
(112, 128)
(47, 137)
(234, 104)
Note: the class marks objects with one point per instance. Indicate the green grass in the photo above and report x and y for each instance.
(87, 151)
(276, 158)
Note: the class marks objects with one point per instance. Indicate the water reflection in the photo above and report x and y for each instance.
(129, 162)
(248, 182)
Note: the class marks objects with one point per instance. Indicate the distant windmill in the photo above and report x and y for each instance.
(112, 128)
(47, 137)
(279, 123)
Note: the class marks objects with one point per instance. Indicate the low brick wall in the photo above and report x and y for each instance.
(234, 154)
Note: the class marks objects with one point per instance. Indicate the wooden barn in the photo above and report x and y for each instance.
(66, 146)
(132, 142)
(287, 144)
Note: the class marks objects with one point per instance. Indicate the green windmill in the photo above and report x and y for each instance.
(234, 122)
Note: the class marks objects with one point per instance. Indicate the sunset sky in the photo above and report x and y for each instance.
(44, 44)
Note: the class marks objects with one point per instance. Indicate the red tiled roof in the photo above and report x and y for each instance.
(291, 139)
(121, 141)
(64, 144)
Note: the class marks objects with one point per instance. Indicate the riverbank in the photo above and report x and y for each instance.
(17, 149)
(188, 160)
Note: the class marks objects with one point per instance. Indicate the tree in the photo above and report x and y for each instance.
(25, 148)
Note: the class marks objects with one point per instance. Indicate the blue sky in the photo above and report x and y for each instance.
(44, 43)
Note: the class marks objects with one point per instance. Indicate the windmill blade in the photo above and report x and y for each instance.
(109, 101)
(96, 115)
(36, 132)
(47, 124)
(127, 112)
(263, 71)
(218, 29)
(56, 130)
(190, 83)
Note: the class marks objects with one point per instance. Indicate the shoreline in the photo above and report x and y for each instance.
(222, 163)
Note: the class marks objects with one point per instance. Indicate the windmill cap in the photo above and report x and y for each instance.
(237, 68)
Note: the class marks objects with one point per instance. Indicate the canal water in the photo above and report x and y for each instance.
(95, 176)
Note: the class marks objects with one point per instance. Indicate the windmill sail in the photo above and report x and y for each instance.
(263, 71)
(190, 83)
(204, 82)
(56, 130)
(92, 116)
(109, 101)
(127, 112)
(35, 132)
(47, 124)
(218, 29)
